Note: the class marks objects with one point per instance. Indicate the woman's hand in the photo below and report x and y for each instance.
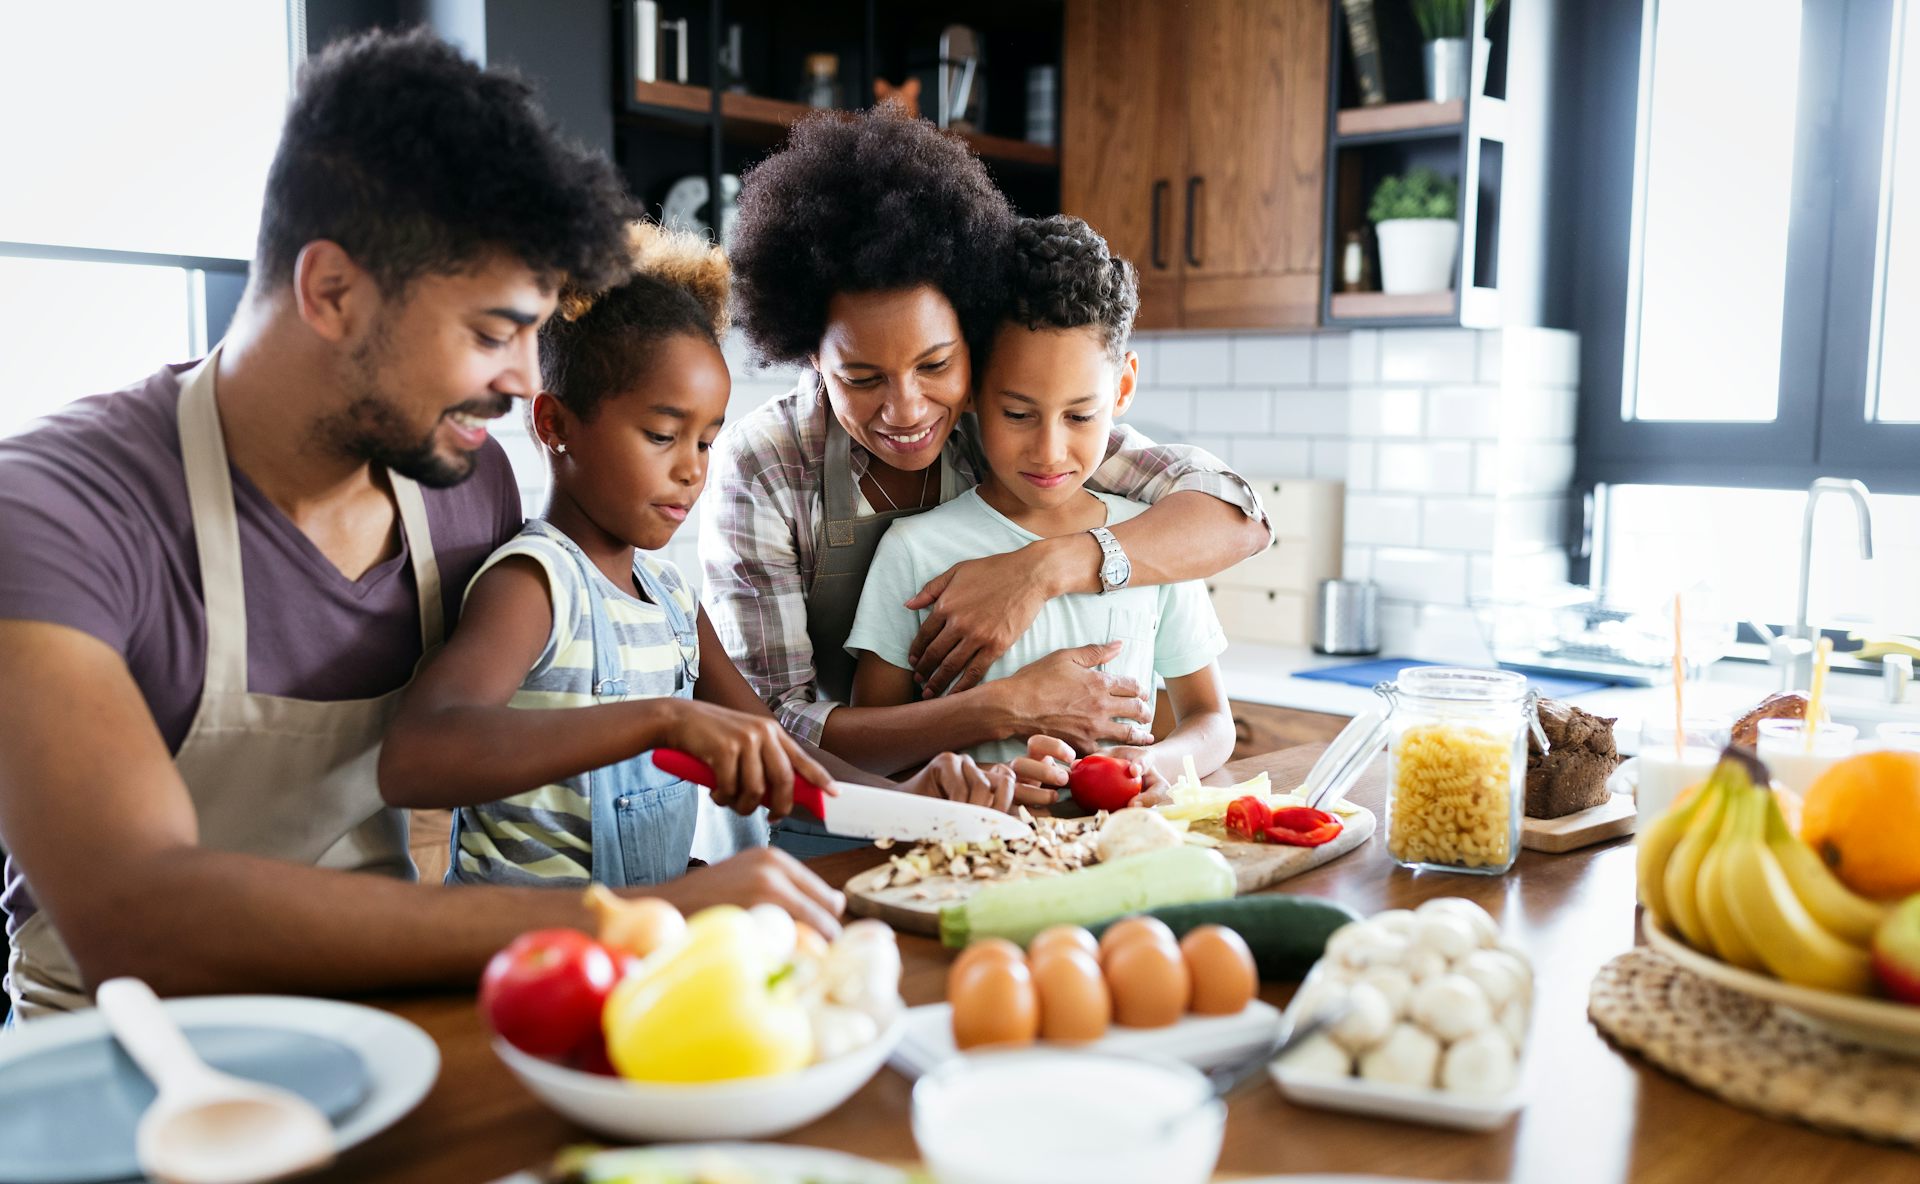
(1062, 695)
(980, 608)
(959, 778)
(754, 760)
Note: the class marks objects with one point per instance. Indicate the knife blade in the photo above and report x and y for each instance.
(868, 812)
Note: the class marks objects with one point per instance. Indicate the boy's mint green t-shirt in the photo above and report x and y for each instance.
(1169, 629)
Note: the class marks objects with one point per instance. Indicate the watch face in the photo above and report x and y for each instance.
(1115, 571)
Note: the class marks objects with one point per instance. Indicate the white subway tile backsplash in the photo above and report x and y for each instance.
(1147, 347)
(1273, 360)
(1273, 456)
(1330, 459)
(1538, 413)
(1424, 468)
(1399, 627)
(1356, 563)
(1331, 354)
(1471, 412)
(1427, 355)
(1360, 464)
(1431, 577)
(1318, 412)
(1486, 468)
(1363, 356)
(1458, 523)
(1384, 412)
(1487, 367)
(1383, 520)
(1171, 406)
(1220, 446)
(1480, 577)
(1201, 359)
(1229, 409)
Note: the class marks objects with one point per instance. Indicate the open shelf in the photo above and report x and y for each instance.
(1391, 121)
(752, 114)
(1379, 306)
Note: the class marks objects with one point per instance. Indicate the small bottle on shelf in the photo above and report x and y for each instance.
(822, 86)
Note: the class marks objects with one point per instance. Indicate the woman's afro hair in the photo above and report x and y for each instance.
(1064, 277)
(601, 343)
(873, 202)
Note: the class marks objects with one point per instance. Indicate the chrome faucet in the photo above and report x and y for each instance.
(1799, 668)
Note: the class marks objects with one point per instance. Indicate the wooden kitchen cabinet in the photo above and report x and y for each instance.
(1194, 139)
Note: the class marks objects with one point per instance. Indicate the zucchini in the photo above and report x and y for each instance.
(1019, 909)
(1286, 933)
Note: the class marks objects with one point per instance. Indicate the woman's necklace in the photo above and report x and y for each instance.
(925, 483)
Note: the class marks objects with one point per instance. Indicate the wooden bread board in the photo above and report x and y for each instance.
(915, 908)
(1583, 828)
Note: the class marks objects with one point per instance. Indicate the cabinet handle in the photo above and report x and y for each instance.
(1160, 189)
(1193, 186)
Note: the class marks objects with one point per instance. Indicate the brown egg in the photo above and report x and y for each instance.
(1067, 935)
(1150, 984)
(1074, 1003)
(993, 1003)
(1134, 929)
(1221, 966)
(995, 949)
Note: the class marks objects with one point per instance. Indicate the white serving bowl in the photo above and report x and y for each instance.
(1055, 1117)
(745, 1108)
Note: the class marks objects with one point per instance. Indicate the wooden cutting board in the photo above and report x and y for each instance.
(1583, 828)
(915, 908)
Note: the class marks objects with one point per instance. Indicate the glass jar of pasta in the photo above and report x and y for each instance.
(1457, 767)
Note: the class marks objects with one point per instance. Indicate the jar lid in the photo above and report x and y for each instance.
(1462, 684)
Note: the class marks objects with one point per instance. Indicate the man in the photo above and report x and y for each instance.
(214, 584)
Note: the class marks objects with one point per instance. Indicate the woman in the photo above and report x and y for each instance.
(872, 250)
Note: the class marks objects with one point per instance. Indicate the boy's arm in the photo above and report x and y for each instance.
(1204, 730)
(456, 742)
(95, 813)
(1203, 519)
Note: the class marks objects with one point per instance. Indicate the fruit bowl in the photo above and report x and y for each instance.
(746, 1108)
(1876, 1023)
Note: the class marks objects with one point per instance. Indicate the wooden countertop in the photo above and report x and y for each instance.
(1593, 1114)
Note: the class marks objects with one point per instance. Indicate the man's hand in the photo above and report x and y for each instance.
(753, 758)
(1062, 695)
(980, 608)
(958, 778)
(764, 875)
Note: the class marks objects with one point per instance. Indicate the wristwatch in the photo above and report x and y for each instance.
(1115, 568)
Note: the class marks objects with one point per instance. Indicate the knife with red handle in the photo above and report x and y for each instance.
(867, 812)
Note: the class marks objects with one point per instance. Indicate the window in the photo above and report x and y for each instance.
(137, 139)
(1894, 393)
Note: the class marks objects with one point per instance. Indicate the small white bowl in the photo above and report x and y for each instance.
(745, 1108)
(1056, 1117)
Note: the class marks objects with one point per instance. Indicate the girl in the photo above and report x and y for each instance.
(575, 614)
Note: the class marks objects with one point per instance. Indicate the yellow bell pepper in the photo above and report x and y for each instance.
(706, 1008)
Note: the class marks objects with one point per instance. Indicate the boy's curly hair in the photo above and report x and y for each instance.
(869, 202)
(1064, 277)
(418, 162)
(601, 343)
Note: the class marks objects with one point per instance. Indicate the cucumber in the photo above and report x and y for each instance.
(1019, 909)
(1286, 933)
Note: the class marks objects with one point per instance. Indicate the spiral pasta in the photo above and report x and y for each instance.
(1452, 799)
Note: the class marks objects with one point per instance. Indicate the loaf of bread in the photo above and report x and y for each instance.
(1572, 774)
(1786, 705)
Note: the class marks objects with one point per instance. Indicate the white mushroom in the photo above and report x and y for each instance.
(1393, 982)
(1319, 994)
(1445, 934)
(1398, 922)
(1495, 974)
(1372, 947)
(1408, 1056)
(1423, 964)
(1486, 932)
(1451, 1007)
(1368, 1019)
(1319, 1056)
(1520, 962)
(838, 1030)
(1134, 831)
(1481, 1065)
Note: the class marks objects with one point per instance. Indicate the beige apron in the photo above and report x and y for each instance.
(282, 778)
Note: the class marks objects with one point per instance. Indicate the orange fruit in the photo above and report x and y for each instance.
(1863, 817)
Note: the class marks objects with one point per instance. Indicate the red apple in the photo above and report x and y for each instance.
(1896, 951)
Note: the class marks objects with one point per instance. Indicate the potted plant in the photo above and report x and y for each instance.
(1445, 26)
(1416, 219)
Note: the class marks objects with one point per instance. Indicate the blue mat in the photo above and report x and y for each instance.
(1365, 674)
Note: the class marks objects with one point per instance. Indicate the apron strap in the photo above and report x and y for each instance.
(838, 494)
(426, 567)
(216, 528)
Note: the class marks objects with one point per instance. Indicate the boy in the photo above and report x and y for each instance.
(1057, 376)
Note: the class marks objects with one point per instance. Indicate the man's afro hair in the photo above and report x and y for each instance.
(872, 202)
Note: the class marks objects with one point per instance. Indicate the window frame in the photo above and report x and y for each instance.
(1820, 427)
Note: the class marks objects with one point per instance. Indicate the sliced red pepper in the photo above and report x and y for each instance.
(1302, 826)
(1248, 817)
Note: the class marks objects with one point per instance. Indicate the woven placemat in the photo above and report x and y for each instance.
(1748, 1052)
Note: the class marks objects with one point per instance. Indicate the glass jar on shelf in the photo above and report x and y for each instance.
(1457, 767)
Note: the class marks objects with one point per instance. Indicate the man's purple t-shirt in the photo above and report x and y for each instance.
(96, 534)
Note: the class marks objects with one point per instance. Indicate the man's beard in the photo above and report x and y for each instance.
(372, 427)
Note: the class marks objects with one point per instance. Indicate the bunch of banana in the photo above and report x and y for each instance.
(1721, 871)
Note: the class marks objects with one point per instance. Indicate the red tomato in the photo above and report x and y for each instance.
(544, 993)
(1248, 817)
(1101, 782)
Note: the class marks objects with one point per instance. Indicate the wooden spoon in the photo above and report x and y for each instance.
(205, 1126)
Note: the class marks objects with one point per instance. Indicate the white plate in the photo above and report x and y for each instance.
(1203, 1041)
(747, 1108)
(1406, 1103)
(766, 1163)
(1873, 1022)
(401, 1060)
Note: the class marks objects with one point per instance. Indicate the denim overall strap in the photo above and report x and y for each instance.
(609, 684)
